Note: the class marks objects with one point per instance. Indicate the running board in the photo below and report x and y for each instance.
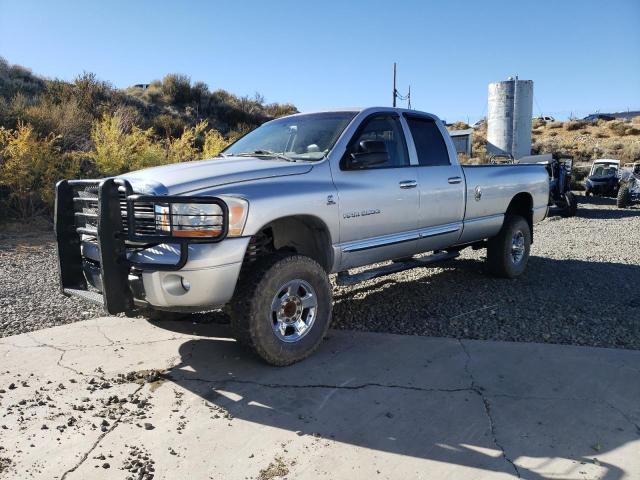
(345, 279)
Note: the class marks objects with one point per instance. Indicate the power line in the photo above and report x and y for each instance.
(396, 94)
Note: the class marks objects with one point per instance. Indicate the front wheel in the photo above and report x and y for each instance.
(508, 252)
(622, 200)
(282, 308)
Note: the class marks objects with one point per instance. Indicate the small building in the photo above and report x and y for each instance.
(462, 139)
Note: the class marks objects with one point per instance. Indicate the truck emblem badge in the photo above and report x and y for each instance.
(330, 200)
(363, 213)
(478, 193)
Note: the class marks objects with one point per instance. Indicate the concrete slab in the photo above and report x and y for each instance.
(118, 398)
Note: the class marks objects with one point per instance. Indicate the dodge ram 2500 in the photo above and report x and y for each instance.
(260, 229)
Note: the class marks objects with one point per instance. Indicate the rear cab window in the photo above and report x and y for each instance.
(430, 146)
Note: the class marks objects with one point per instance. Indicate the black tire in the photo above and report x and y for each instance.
(252, 317)
(622, 200)
(501, 258)
(571, 205)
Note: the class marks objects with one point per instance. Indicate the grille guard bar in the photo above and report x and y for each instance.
(112, 236)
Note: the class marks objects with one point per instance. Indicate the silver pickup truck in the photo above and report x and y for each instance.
(260, 229)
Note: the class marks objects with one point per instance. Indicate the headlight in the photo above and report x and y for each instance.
(238, 210)
(201, 219)
(189, 219)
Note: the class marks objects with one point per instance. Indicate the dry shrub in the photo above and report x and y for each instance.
(618, 127)
(30, 166)
(119, 150)
(555, 125)
(575, 125)
(459, 126)
(183, 148)
(214, 143)
(538, 123)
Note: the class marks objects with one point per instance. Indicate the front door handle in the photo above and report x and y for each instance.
(408, 184)
(455, 179)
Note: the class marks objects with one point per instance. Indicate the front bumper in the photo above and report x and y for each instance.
(131, 264)
(601, 187)
(211, 272)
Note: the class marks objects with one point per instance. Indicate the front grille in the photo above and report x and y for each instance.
(85, 204)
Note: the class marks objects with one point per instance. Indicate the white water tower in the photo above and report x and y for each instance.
(509, 117)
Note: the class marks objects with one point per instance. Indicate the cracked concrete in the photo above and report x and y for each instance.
(364, 406)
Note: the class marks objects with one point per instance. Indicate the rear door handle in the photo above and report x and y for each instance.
(408, 184)
(455, 179)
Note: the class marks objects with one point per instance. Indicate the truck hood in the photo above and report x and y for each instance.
(180, 178)
(608, 178)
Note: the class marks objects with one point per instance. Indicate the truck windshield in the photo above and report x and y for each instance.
(299, 137)
(604, 170)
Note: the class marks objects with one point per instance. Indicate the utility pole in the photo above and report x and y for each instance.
(395, 92)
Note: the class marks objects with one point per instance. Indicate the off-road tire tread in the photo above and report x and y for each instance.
(572, 206)
(244, 302)
(622, 198)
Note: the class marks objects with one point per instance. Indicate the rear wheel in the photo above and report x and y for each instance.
(282, 308)
(508, 252)
(571, 205)
(622, 200)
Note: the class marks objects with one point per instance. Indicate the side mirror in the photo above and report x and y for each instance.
(367, 154)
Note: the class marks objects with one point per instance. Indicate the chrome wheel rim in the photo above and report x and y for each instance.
(293, 310)
(517, 247)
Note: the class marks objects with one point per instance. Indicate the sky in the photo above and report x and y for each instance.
(583, 56)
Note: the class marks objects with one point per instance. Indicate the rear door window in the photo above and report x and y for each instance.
(430, 146)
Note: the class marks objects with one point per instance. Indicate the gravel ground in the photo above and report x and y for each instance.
(582, 287)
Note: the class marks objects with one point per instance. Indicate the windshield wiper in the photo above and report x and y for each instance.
(262, 153)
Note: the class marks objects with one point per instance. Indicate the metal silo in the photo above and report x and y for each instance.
(509, 117)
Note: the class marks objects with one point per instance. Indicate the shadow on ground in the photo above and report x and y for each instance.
(425, 400)
(409, 401)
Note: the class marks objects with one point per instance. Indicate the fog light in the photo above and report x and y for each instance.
(175, 284)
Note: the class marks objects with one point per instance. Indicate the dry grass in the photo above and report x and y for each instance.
(577, 139)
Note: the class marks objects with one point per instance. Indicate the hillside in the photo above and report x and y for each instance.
(52, 129)
(583, 141)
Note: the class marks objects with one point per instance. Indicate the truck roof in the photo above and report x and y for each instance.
(369, 110)
(607, 160)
